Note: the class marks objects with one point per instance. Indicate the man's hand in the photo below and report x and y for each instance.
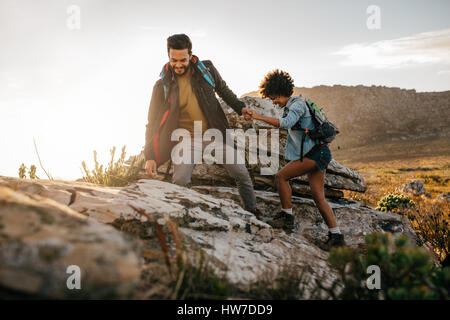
(247, 113)
(255, 115)
(150, 168)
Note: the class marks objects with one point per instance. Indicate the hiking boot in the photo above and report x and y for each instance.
(282, 220)
(258, 214)
(335, 240)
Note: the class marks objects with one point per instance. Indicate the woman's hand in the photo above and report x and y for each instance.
(255, 115)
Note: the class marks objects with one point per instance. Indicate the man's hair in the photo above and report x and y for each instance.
(179, 42)
(277, 83)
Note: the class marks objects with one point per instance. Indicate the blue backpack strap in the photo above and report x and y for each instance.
(162, 75)
(206, 73)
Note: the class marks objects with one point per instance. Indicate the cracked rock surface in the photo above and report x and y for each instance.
(208, 217)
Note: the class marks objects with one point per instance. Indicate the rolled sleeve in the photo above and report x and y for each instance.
(296, 111)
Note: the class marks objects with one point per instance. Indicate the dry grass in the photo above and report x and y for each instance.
(383, 177)
(429, 216)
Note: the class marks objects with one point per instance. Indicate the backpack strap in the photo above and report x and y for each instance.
(162, 75)
(204, 70)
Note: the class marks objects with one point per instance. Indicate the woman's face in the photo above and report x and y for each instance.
(279, 100)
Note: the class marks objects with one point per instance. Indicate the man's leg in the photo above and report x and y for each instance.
(240, 174)
(182, 174)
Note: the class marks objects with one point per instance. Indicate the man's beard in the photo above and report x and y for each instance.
(184, 72)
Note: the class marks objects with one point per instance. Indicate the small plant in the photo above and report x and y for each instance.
(394, 203)
(116, 175)
(406, 271)
(31, 172)
(22, 171)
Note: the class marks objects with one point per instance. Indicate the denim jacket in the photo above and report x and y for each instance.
(294, 110)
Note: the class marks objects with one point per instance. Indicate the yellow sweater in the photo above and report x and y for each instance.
(189, 108)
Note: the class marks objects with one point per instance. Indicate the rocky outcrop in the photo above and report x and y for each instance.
(208, 217)
(41, 240)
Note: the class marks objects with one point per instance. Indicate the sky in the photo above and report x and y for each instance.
(77, 76)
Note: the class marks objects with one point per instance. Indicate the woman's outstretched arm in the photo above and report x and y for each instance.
(273, 121)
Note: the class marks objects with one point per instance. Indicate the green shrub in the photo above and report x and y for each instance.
(407, 272)
(116, 175)
(394, 203)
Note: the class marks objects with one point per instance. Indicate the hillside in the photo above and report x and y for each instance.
(376, 121)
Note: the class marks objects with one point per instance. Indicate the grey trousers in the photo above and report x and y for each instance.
(182, 176)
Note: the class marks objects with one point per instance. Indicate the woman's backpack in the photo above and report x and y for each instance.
(324, 130)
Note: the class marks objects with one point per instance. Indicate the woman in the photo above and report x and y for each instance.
(278, 87)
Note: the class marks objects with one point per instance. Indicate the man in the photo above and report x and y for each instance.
(184, 94)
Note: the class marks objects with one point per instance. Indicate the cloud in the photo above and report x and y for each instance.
(422, 48)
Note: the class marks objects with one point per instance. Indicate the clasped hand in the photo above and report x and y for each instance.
(249, 114)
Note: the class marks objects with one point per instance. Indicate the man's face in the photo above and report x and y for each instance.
(279, 100)
(179, 60)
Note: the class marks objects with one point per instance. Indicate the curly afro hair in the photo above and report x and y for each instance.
(277, 83)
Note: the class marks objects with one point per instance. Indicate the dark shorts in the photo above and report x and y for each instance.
(321, 156)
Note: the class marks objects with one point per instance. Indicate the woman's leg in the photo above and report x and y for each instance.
(289, 171)
(316, 183)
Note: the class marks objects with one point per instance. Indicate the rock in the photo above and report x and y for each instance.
(40, 238)
(415, 187)
(355, 221)
(213, 220)
(444, 196)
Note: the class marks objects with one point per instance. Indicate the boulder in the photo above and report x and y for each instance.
(41, 238)
(416, 188)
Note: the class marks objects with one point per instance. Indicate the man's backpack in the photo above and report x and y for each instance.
(324, 130)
